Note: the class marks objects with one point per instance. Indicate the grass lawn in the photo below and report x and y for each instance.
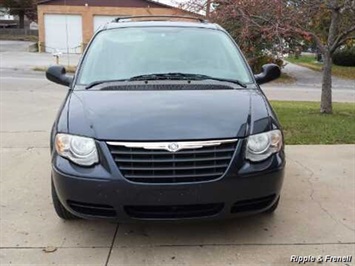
(303, 124)
(285, 79)
(310, 62)
(69, 69)
(29, 38)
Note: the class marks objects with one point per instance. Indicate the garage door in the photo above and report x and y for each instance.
(101, 20)
(63, 33)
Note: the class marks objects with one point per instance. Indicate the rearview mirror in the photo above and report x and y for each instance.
(270, 72)
(58, 74)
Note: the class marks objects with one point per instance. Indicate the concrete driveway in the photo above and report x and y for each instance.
(316, 214)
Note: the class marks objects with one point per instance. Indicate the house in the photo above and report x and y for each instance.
(4, 14)
(68, 25)
(6, 20)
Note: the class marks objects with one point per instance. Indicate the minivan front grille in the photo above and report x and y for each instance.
(152, 165)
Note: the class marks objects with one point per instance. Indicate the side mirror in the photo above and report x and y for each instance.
(270, 72)
(57, 74)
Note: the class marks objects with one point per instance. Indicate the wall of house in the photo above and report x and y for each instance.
(88, 13)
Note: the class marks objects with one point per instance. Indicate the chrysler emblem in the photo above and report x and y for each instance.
(173, 147)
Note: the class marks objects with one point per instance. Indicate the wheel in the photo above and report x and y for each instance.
(59, 208)
(274, 206)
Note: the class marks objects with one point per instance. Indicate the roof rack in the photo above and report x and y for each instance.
(120, 19)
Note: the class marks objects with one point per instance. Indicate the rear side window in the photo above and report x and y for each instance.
(127, 52)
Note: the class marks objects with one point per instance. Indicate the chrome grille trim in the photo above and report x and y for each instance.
(183, 145)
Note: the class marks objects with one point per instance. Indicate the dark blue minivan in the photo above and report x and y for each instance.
(164, 120)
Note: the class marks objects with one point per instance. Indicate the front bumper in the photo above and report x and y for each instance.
(102, 192)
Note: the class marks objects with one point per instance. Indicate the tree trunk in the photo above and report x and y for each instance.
(208, 8)
(21, 15)
(326, 98)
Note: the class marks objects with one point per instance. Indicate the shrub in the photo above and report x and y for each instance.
(257, 63)
(344, 57)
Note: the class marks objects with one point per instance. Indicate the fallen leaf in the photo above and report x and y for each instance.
(49, 249)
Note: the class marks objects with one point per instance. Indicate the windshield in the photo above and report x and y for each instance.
(128, 52)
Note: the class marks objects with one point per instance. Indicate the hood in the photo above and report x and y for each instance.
(167, 115)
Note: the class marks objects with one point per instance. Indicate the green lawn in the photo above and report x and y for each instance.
(303, 124)
(285, 79)
(69, 69)
(29, 38)
(311, 63)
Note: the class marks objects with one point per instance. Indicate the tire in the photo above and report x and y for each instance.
(273, 208)
(59, 208)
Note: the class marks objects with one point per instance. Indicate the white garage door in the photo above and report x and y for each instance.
(101, 20)
(63, 33)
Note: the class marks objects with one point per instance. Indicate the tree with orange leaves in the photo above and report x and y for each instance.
(329, 23)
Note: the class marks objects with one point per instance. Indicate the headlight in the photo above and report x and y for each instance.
(80, 150)
(261, 146)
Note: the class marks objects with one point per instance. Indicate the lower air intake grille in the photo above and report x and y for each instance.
(252, 204)
(173, 212)
(92, 209)
(162, 166)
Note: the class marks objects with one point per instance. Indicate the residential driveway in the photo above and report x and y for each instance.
(306, 77)
(316, 214)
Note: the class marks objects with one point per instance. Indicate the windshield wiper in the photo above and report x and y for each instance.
(168, 76)
(183, 76)
(98, 82)
(235, 81)
(137, 78)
